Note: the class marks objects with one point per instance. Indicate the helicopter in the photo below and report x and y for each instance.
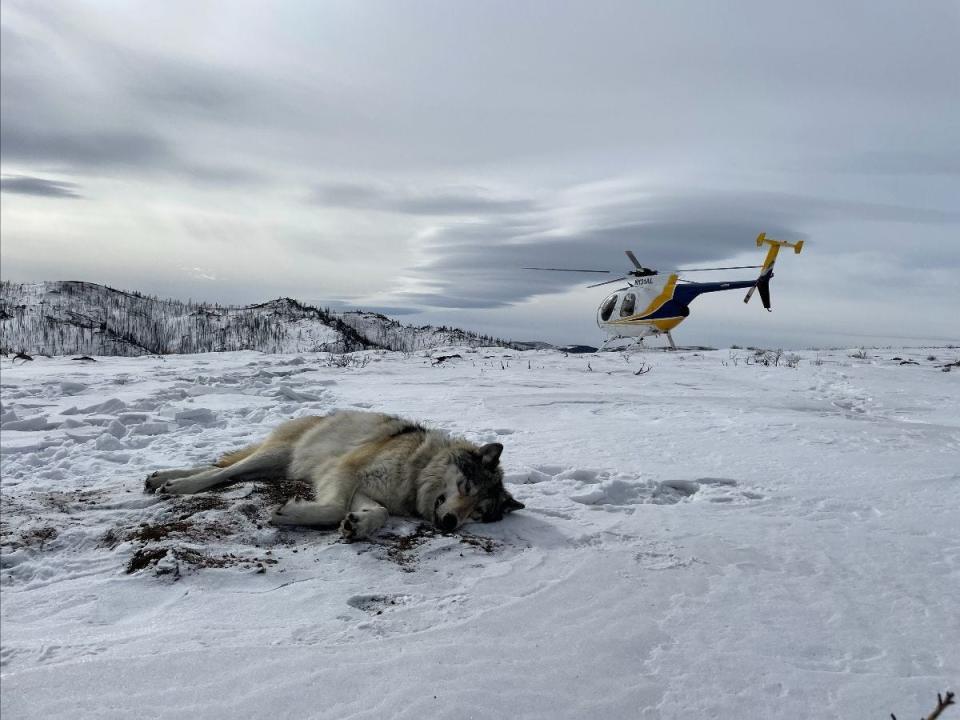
(653, 304)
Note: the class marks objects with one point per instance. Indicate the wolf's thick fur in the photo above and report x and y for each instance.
(363, 467)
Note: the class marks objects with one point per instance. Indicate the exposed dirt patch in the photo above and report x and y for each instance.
(376, 604)
(402, 549)
(72, 500)
(152, 532)
(188, 530)
(110, 539)
(278, 492)
(37, 537)
(179, 559)
(488, 545)
(199, 559)
(185, 506)
(144, 557)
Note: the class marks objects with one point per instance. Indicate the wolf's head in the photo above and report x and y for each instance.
(473, 489)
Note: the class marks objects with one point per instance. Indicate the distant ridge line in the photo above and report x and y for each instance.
(77, 317)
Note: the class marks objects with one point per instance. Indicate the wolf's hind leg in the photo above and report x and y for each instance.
(335, 484)
(333, 489)
(307, 512)
(365, 518)
(270, 463)
(158, 478)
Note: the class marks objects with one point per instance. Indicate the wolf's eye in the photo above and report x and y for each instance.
(465, 486)
(441, 499)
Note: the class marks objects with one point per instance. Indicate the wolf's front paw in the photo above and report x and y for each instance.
(288, 513)
(175, 487)
(350, 527)
(153, 482)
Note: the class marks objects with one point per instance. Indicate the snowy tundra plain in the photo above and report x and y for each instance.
(714, 538)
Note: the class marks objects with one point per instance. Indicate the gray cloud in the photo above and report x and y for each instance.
(941, 161)
(98, 152)
(180, 87)
(439, 202)
(92, 150)
(475, 265)
(54, 119)
(471, 269)
(27, 185)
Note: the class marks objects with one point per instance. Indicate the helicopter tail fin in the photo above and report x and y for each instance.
(763, 286)
(763, 282)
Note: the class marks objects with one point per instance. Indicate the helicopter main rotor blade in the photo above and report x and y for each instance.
(633, 259)
(607, 282)
(566, 270)
(732, 267)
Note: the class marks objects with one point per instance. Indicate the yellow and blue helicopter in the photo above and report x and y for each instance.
(654, 304)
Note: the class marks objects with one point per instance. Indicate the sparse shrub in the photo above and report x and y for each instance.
(943, 702)
(347, 361)
(860, 354)
(767, 358)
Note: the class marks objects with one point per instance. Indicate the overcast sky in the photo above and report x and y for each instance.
(413, 156)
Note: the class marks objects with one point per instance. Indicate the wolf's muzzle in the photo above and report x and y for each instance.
(448, 521)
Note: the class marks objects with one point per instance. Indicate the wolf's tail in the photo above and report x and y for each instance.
(232, 458)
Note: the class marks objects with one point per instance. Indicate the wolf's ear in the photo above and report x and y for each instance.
(490, 454)
(510, 503)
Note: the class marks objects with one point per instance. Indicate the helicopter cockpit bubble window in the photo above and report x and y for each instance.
(606, 310)
(629, 302)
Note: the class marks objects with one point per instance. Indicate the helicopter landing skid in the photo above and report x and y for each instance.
(634, 343)
(621, 343)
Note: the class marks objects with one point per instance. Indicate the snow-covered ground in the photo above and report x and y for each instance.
(713, 538)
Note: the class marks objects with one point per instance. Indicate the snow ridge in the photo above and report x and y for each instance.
(73, 317)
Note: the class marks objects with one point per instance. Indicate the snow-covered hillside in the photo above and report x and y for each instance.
(704, 537)
(389, 333)
(61, 318)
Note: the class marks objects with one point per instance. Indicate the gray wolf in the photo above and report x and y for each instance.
(363, 466)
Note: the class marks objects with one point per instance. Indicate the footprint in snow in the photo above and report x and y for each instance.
(602, 488)
(663, 560)
(617, 492)
(621, 491)
(726, 490)
(544, 473)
